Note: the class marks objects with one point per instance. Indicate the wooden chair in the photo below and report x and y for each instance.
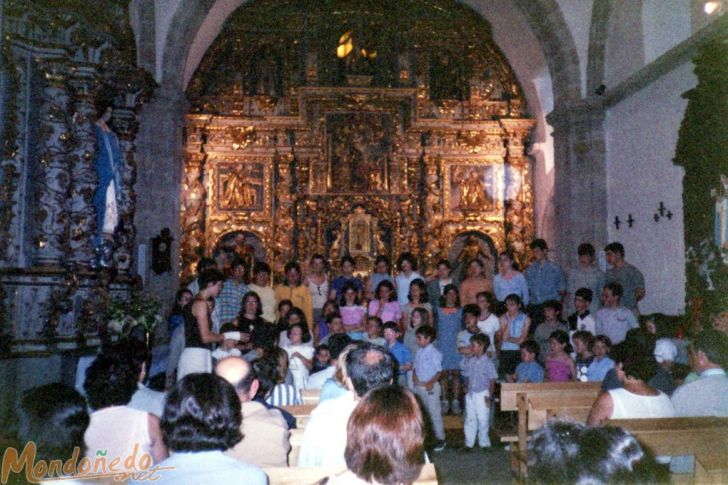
(306, 475)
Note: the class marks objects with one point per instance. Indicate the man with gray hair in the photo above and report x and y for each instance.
(368, 366)
(265, 432)
(708, 395)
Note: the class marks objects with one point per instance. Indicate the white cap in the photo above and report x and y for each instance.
(665, 350)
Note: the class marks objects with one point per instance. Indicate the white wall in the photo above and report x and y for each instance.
(642, 134)
(665, 23)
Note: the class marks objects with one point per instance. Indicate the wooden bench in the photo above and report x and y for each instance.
(295, 440)
(536, 403)
(305, 475)
(301, 413)
(706, 438)
(711, 468)
(311, 396)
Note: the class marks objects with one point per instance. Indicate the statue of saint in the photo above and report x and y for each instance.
(109, 166)
(472, 195)
(473, 249)
(249, 195)
(232, 196)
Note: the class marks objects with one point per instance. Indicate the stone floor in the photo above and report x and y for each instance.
(476, 467)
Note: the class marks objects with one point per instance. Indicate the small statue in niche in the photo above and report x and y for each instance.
(335, 245)
(232, 196)
(109, 164)
(472, 193)
(193, 197)
(473, 249)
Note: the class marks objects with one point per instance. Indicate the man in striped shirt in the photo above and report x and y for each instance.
(232, 292)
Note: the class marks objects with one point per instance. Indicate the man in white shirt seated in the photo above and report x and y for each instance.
(324, 440)
(265, 432)
(708, 395)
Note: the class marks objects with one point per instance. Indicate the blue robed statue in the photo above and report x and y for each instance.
(109, 166)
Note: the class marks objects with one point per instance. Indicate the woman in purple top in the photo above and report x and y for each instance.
(385, 304)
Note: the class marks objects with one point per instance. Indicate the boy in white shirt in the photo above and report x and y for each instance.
(488, 322)
(426, 377)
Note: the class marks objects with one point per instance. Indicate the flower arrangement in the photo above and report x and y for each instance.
(125, 315)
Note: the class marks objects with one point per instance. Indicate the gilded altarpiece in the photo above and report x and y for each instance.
(360, 171)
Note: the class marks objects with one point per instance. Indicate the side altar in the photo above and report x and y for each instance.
(356, 170)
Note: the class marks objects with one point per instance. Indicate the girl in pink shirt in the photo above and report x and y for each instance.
(352, 313)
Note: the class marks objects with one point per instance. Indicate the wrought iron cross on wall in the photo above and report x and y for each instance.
(662, 211)
(618, 222)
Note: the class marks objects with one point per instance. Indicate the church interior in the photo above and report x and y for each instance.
(278, 130)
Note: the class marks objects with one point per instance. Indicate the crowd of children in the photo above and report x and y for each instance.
(450, 354)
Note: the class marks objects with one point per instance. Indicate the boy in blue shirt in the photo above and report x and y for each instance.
(528, 370)
(399, 350)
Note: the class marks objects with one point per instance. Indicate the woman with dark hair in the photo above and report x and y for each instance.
(116, 428)
(284, 393)
(407, 266)
(514, 325)
(353, 314)
(295, 315)
(384, 305)
(569, 453)
(317, 283)
(385, 439)
(197, 355)
(54, 417)
(249, 323)
(347, 265)
(176, 332)
(201, 420)
(449, 323)
(636, 398)
(417, 297)
(509, 281)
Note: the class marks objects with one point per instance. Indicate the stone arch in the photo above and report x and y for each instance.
(544, 18)
(187, 21)
(597, 45)
(547, 22)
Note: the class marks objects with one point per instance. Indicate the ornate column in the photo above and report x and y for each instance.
(126, 127)
(13, 165)
(580, 184)
(53, 170)
(432, 211)
(518, 198)
(283, 216)
(192, 210)
(84, 181)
